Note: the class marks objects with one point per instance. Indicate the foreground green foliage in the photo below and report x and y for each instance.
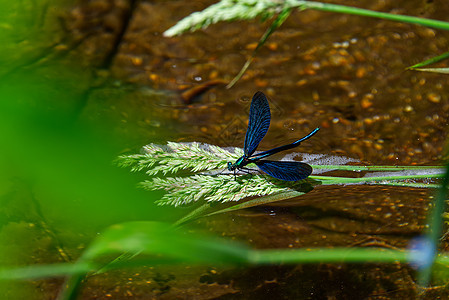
(159, 244)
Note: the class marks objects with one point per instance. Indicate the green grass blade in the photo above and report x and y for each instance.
(242, 71)
(431, 61)
(245, 256)
(43, 271)
(330, 180)
(340, 255)
(376, 168)
(275, 25)
(411, 184)
(196, 213)
(369, 13)
(153, 238)
(158, 240)
(434, 70)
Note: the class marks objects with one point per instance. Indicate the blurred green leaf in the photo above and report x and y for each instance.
(161, 242)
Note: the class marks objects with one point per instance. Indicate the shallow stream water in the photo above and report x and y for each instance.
(343, 73)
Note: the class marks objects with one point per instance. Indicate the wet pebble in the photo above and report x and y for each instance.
(434, 98)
